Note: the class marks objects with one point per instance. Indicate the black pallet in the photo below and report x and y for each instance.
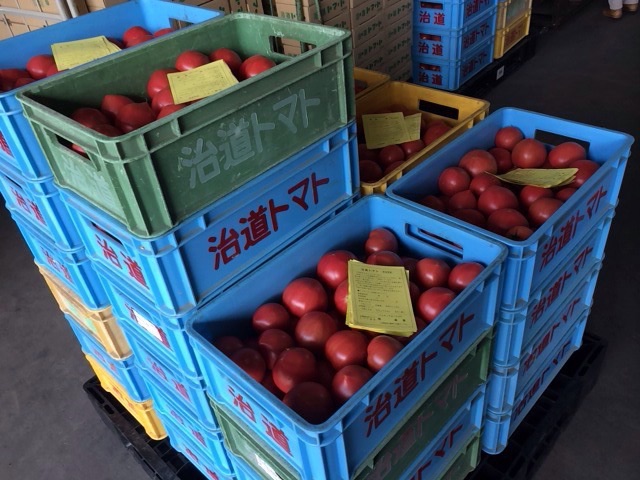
(534, 438)
(552, 13)
(494, 73)
(157, 458)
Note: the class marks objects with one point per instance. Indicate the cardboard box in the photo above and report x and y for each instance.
(398, 11)
(374, 46)
(399, 64)
(289, 12)
(5, 31)
(10, 4)
(399, 45)
(35, 22)
(50, 6)
(396, 30)
(329, 9)
(375, 62)
(254, 6)
(18, 28)
(94, 5)
(11, 18)
(221, 5)
(365, 32)
(365, 12)
(340, 21)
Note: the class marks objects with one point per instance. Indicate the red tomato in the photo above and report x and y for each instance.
(453, 180)
(255, 65)
(563, 155)
(495, 198)
(365, 154)
(340, 297)
(348, 380)
(270, 385)
(111, 104)
(294, 365)
(503, 159)
(314, 329)
(228, 345)
(346, 347)
(381, 350)
(421, 324)
(431, 201)
(483, 181)
(531, 193)
(433, 301)
(434, 132)
(384, 257)
(191, 59)
(586, 168)
(325, 372)
(230, 57)
(311, 400)
(89, 117)
(529, 153)
(508, 137)
(134, 32)
(251, 362)
(332, 267)
(169, 109)
(565, 193)
(432, 272)
(251, 342)
(21, 82)
(474, 217)
(413, 147)
(133, 116)
(52, 70)
(305, 295)
(381, 239)
(414, 293)
(461, 200)
(38, 65)
(138, 40)
(519, 233)
(270, 315)
(478, 161)
(370, 171)
(108, 130)
(463, 274)
(163, 31)
(389, 155)
(163, 98)
(391, 168)
(542, 209)
(158, 81)
(502, 220)
(271, 343)
(410, 264)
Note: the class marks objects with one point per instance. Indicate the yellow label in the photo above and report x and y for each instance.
(540, 177)
(71, 54)
(383, 129)
(379, 299)
(200, 82)
(413, 126)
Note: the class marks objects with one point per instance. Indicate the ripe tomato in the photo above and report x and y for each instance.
(21, 82)
(311, 400)
(228, 345)
(531, 193)
(294, 365)
(410, 264)
(270, 315)
(89, 117)
(381, 350)
(432, 272)
(324, 372)
(413, 147)
(370, 171)
(341, 296)
(563, 155)
(385, 257)
(348, 380)
(542, 209)
(108, 130)
(508, 137)
(158, 81)
(391, 168)
(390, 155)
(496, 197)
(271, 343)
(38, 65)
(191, 59)
(133, 116)
(305, 295)
(380, 239)
(134, 32)
(251, 362)
(461, 200)
(8, 77)
(435, 131)
(169, 109)
(346, 347)
(255, 65)
(503, 159)
(433, 301)
(481, 182)
(365, 154)
(414, 293)
(463, 274)
(111, 104)
(565, 193)
(519, 233)
(586, 168)
(431, 201)
(270, 385)
(138, 40)
(502, 220)
(230, 57)
(529, 153)
(314, 329)
(472, 216)
(332, 267)
(163, 31)
(453, 180)
(478, 161)
(163, 98)
(251, 342)
(52, 70)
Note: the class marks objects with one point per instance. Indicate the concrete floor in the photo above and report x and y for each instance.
(588, 71)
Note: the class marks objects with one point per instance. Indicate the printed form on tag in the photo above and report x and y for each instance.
(71, 54)
(383, 129)
(540, 177)
(412, 123)
(200, 82)
(379, 299)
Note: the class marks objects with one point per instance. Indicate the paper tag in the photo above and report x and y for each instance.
(147, 326)
(539, 177)
(200, 82)
(383, 129)
(71, 54)
(266, 468)
(379, 299)
(413, 123)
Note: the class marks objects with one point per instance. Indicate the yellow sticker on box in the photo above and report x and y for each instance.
(200, 82)
(71, 54)
(540, 177)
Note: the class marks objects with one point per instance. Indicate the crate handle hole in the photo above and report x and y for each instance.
(553, 139)
(177, 24)
(439, 109)
(105, 233)
(290, 47)
(430, 67)
(432, 5)
(430, 37)
(437, 241)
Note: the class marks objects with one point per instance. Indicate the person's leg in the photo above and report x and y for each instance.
(630, 6)
(615, 9)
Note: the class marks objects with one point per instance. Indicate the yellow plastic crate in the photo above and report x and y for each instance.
(460, 112)
(101, 324)
(143, 412)
(506, 38)
(511, 10)
(370, 80)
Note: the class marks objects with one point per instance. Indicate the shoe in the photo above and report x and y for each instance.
(615, 14)
(631, 7)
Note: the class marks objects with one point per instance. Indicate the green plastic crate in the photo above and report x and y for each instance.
(156, 176)
(465, 462)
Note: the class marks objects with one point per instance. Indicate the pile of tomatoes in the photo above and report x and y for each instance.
(375, 164)
(303, 352)
(41, 66)
(472, 193)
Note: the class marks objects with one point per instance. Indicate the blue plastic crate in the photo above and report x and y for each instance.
(39, 202)
(337, 447)
(18, 145)
(529, 262)
(179, 270)
(451, 74)
(498, 427)
(186, 390)
(449, 14)
(71, 267)
(123, 370)
(515, 328)
(436, 43)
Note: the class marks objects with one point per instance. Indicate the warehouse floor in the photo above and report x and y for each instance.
(588, 71)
